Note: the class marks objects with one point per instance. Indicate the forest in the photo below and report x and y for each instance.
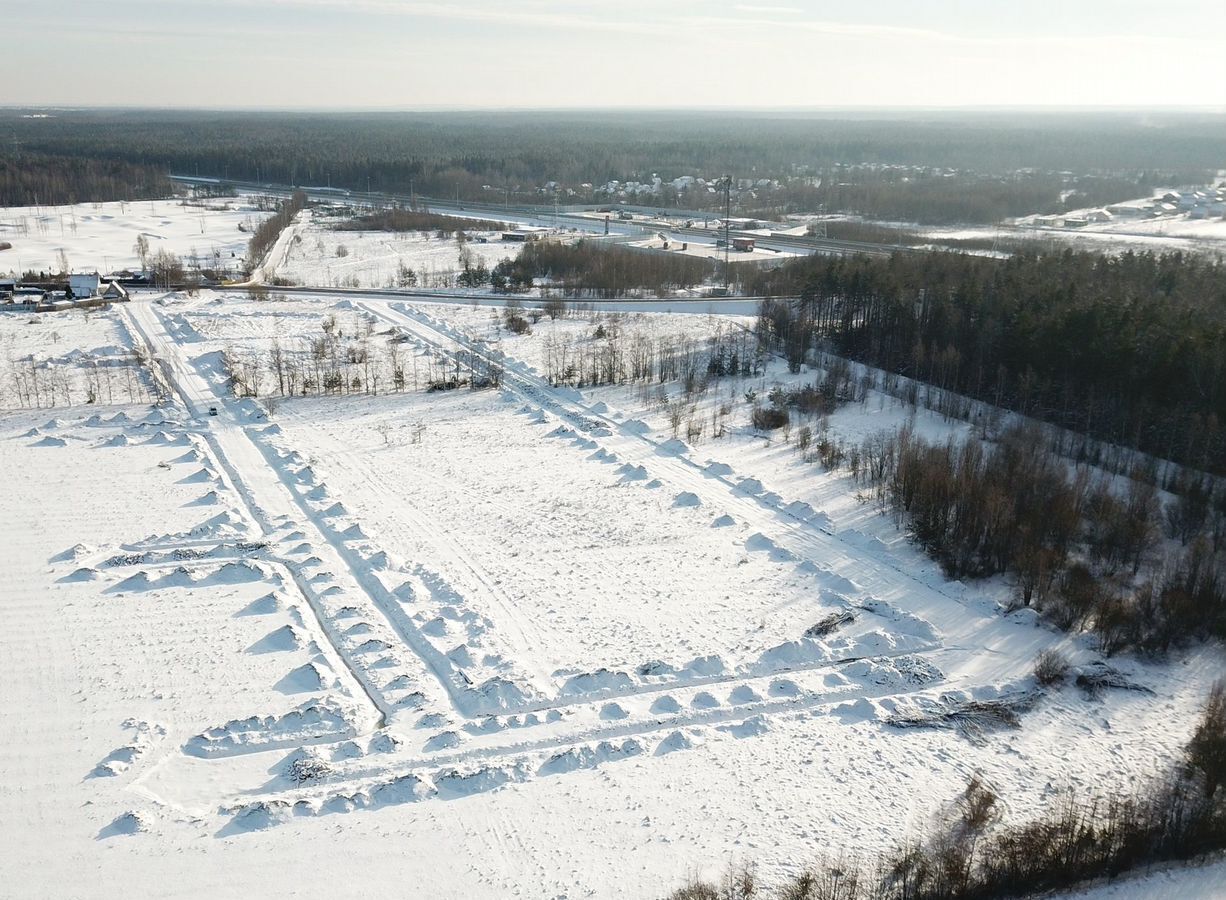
(925, 167)
(49, 179)
(1130, 349)
(602, 271)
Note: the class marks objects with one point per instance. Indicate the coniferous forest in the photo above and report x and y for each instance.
(1129, 348)
(928, 167)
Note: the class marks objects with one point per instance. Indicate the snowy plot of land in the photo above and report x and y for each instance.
(510, 642)
(312, 252)
(1175, 883)
(102, 236)
(68, 358)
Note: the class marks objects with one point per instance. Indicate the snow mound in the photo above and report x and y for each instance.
(705, 666)
(280, 640)
(262, 606)
(666, 704)
(674, 447)
(588, 757)
(743, 694)
(686, 499)
(384, 743)
(310, 722)
(82, 574)
(897, 671)
(455, 783)
(752, 726)
(674, 742)
(760, 542)
(210, 499)
(404, 789)
(50, 442)
(235, 573)
(602, 681)
(791, 654)
(717, 469)
(724, 521)
(73, 553)
(261, 815)
(613, 711)
(800, 510)
(125, 825)
(443, 741)
(784, 687)
(304, 679)
(138, 582)
(498, 695)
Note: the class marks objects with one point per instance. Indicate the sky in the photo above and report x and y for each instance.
(415, 54)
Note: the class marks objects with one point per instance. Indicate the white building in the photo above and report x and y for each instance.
(83, 285)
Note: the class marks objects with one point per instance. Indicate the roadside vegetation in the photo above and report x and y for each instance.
(600, 271)
(267, 232)
(415, 220)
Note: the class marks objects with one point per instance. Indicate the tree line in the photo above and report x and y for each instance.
(1130, 349)
(600, 271)
(400, 219)
(267, 232)
(53, 180)
(840, 161)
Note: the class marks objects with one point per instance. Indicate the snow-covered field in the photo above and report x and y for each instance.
(102, 236)
(67, 358)
(521, 641)
(312, 252)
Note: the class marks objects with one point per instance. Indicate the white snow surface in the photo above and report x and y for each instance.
(312, 252)
(483, 644)
(101, 237)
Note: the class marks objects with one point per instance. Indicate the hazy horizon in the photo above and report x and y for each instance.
(409, 55)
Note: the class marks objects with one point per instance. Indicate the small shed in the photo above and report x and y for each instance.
(115, 291)
(743, 243)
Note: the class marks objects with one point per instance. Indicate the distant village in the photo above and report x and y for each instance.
(1206, 203)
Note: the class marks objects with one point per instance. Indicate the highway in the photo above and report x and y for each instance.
(546, 217)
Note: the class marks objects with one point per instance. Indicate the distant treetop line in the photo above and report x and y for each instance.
(992, 165)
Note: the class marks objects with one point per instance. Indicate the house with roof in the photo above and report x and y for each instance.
(83, 285)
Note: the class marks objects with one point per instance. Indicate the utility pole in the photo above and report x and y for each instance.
(727, 179)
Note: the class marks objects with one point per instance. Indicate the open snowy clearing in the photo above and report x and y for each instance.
(101, 237)
(520, 641)
(65, 358)
(312, 252)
